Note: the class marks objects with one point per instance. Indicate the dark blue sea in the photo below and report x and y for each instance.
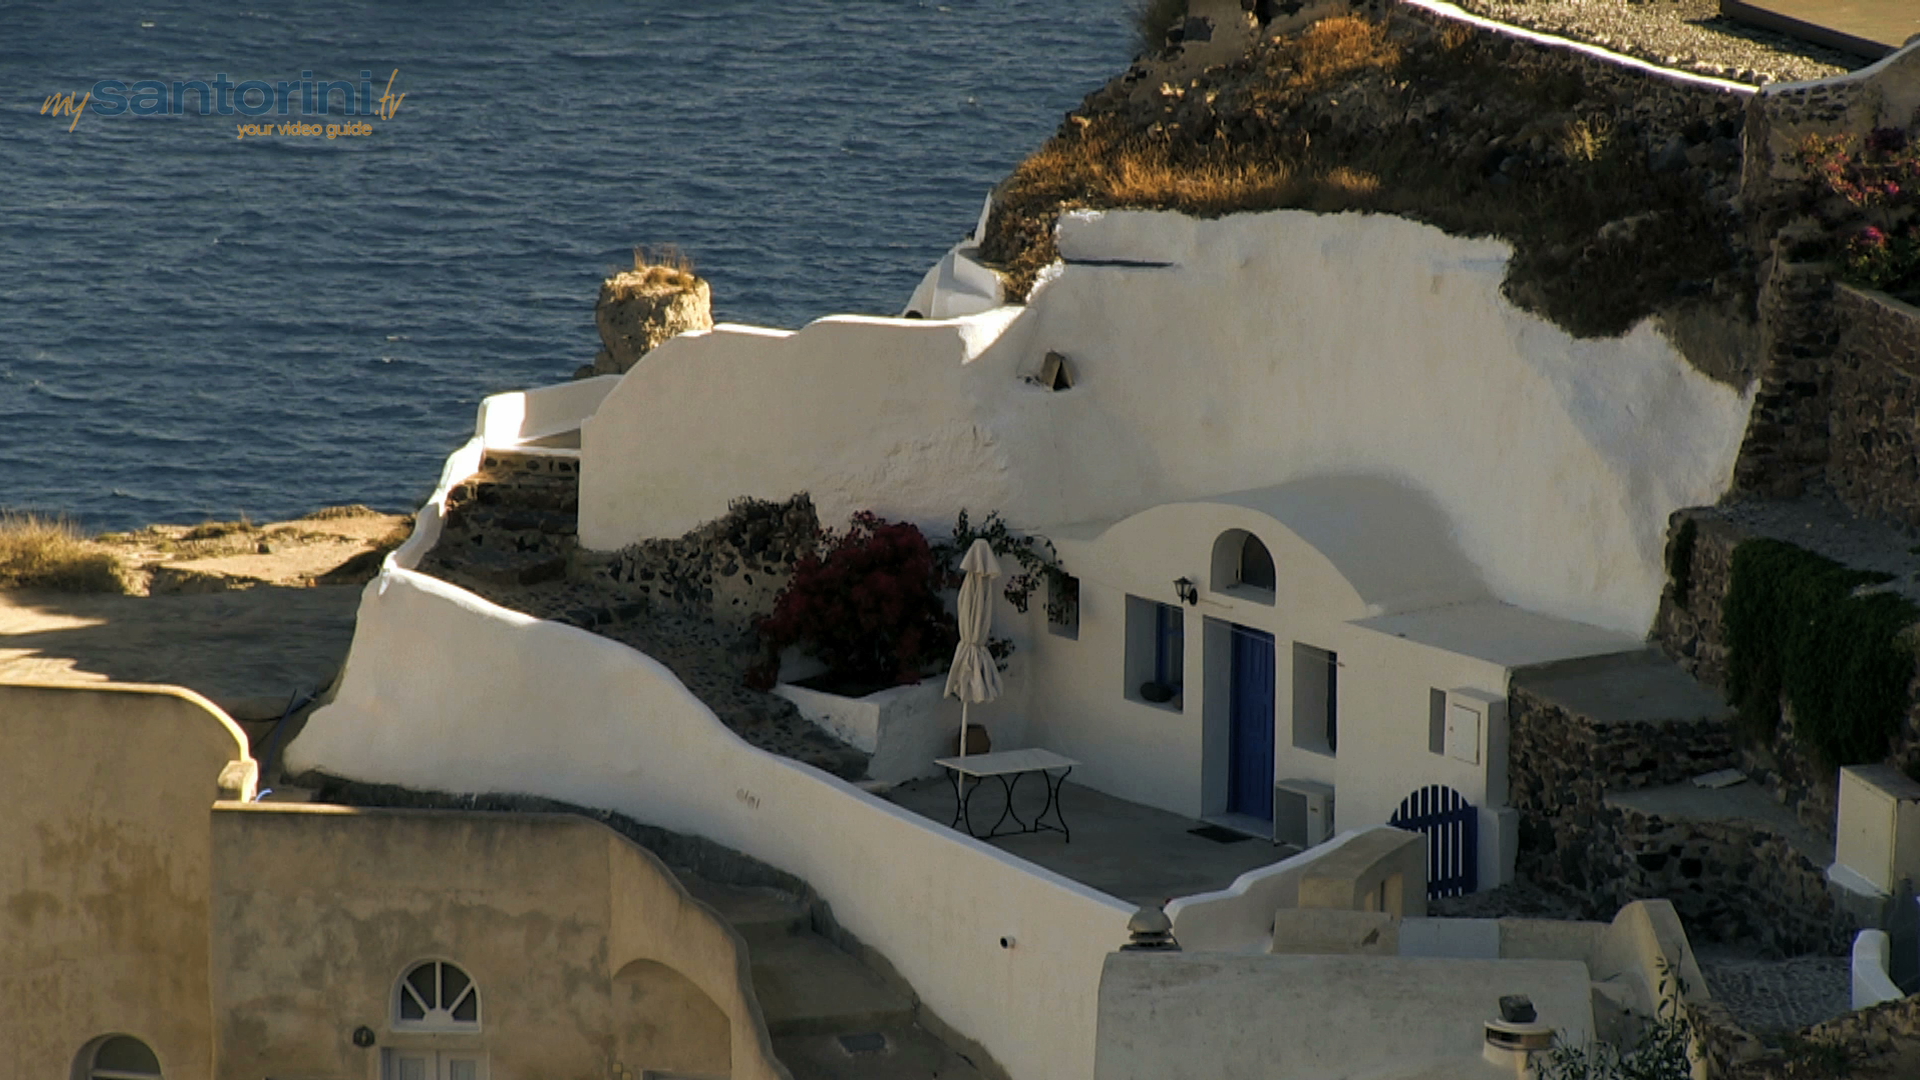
(195, 326)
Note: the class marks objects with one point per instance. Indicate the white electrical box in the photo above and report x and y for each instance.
(1470, 715)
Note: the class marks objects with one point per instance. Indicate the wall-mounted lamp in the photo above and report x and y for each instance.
(363, 1036)
(1186, 590)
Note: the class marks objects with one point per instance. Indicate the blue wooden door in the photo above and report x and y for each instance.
(1250, 725)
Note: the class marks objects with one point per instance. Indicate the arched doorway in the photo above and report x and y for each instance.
(1452, 825)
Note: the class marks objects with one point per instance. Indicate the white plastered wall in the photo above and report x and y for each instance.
(1259, 348)
(445, 691)
(1339, 592)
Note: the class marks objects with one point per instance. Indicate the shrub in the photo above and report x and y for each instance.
(1796, 625)
(1873, 185)
(1036, 567)
(1662, 1052)
(50, 553)
(868, 607)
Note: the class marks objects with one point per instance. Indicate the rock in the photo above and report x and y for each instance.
(637, 311)
(1669, 158)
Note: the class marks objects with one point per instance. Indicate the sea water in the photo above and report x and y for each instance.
(196, 324)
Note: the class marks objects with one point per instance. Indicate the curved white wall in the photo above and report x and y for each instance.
(445, 691)
(508, 419)
(1274, 346)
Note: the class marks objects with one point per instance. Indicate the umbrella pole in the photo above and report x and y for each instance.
(963, 727)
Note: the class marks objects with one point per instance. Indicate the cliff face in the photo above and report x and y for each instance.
(1615, 187)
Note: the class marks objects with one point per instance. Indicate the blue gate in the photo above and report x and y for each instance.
(1452, 826)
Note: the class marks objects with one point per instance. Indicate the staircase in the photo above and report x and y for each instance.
(831, 1018)
(513, 522)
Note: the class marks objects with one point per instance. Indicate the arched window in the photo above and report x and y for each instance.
(122, 1057)
(436, 996)
(1243, 567)
(1256, 565)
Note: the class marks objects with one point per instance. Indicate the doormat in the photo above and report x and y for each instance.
(1219, 835)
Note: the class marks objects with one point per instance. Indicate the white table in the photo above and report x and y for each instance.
(1008, 766)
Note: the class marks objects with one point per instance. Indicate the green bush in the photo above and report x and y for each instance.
(1795, 627)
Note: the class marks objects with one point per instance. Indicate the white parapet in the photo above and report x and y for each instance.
(444, 691)
(1871, 983)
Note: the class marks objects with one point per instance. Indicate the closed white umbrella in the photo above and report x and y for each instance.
(974, 678)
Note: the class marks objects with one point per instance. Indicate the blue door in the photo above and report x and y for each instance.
(1250, 725)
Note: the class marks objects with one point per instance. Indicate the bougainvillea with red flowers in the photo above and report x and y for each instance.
(868, 606)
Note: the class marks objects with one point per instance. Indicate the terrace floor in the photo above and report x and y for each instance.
(1136, 853)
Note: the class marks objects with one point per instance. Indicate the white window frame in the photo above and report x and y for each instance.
(439, 1019)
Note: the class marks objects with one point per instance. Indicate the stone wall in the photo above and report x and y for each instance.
(1880, 1041)
(512, 521)
(1874, 436)
(1779, 119)
(1733, 881)
(1693, 633)
(1691, 630)
(1836, 398)
(1786, 450)
(1562, 764)
(1839, 396)
(729, 570)
(1675, 109)
(1730, 881)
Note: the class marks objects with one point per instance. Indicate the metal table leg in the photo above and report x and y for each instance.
(1054, 804)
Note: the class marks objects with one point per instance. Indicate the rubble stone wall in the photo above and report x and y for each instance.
(1728, 880)
(1874, 438)
(729, 570)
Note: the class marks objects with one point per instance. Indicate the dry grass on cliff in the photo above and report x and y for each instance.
(1329, 120)
(51, 553)
(662, 270)
(1099, 163)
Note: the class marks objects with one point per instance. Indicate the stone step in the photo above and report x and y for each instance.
(558, 496)
(532, 462)
(900, 1052)
(514, 518)
(808, 987)
(762, 916)
(499, 567)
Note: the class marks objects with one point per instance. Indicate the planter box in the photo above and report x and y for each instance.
(904, 727)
